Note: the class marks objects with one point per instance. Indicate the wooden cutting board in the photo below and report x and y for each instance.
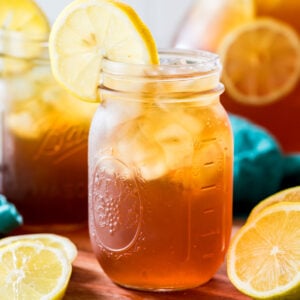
(88, 281)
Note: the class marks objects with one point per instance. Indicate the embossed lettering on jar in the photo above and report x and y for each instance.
(160, 172)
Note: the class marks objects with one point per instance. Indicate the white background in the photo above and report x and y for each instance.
(161, 16)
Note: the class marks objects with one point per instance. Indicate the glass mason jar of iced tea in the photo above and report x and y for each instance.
(160, 172)
(44, 132)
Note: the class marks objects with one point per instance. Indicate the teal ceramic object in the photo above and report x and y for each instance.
(258, 165)
(10, 218)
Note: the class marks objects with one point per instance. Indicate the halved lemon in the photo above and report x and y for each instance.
(287, 195)
(85, 32)
(32, 271)
(264, 256)
(46, 239)
(261, 61)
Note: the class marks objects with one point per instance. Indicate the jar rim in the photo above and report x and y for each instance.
(173, 62)
(182, 75)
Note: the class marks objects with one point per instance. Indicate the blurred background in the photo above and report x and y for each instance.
(162, 16)
(263, 103)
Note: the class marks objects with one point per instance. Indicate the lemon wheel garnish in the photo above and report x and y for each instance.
(46, 239)
(24, 16)
(261, 61)
(85, 32)
(263, 258)
(287, 195)
(30, 270)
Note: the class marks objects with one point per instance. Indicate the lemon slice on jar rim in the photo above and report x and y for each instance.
(85, 32)
(261, 61)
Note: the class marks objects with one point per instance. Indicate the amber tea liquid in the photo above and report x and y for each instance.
(161, 234)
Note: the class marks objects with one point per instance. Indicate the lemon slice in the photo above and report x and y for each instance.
(46, 239)
(263, 258)
(32, 271)
(261, 61)
(288, 195)
(85, 32)
(24, 16)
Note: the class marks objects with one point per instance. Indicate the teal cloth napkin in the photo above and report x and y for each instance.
(260, 166)
(10, 218)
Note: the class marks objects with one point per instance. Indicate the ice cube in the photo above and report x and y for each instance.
(175, 131)
(23, 125)
(141, 151)
(20, 89)
(177, 145)
(119, 112)
(188, 122)
(158, 142)
(108, 125)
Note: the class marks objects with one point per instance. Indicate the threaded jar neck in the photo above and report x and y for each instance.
(179, 72)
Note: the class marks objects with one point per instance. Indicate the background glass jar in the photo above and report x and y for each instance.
(263, 36)
(160, 172)
(45, 130)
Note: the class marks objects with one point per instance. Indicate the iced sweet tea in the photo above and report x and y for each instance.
(160, 173)
(45, 135)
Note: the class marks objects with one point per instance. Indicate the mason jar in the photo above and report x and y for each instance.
(160, 172)
(44, 139)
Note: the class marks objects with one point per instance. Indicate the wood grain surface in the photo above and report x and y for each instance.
(88, 281)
